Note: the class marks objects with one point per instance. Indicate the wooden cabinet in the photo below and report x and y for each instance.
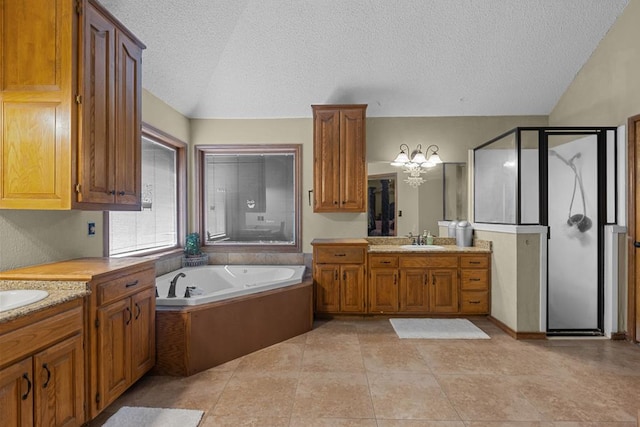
(118, 321)
(419, 284)
(124, 341)
(42, 373)
(339, 276)
(70, 109)
(475, 280)
(339, 155)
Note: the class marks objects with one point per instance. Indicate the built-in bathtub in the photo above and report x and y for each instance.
(241, 309)
(218, 282)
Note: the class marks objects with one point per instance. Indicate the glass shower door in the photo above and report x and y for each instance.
(573, 247)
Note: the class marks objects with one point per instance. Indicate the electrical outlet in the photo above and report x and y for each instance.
(91, 229)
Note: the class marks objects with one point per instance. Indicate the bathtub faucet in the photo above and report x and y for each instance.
(172, 287)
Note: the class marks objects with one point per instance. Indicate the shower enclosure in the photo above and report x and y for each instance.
(562, 178)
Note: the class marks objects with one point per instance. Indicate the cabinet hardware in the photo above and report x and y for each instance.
(385, 262)
(433, 280)
(339, 254)
(111, 192)
(130, 316)
(78, 99)
(395, 279)
(636, 244)
(344, 275)
(120, 193)
(78, 188)
(309, 193)
(336, 274)
(79, 7)
(344, 202)
(426, 280)
(474, 280)
(138, 311)
(97, 322)
(130, 284)
(26, 377)
(46, 368)
(474, 262)
(335, 202)
(474, 302)
(98, 398)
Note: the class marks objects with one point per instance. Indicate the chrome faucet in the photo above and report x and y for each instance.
(172, 287)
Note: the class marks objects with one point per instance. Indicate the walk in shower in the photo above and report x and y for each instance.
(562, 178)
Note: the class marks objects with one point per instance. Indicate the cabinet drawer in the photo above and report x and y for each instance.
(474, 302)
(125, 286)
(383, 261)
(479, 261)
(340, 255)
(429, 261)
(475, 279)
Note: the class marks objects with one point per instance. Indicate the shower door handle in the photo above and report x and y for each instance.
(636, 244)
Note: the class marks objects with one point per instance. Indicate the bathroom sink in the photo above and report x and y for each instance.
(20, 297)
(421, 247)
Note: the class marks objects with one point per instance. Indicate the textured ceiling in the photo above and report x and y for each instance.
(273, 58)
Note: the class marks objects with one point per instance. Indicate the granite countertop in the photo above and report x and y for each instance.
(59, 292)
(393, 245)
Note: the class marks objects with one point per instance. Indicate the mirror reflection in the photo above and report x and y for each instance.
(382, 205)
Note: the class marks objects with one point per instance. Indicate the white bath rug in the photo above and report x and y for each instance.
(442, 329)
(128, 416)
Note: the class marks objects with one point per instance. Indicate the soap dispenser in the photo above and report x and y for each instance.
(429, 239)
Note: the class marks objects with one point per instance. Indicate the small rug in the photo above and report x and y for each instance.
(128, 416)
(442, 329)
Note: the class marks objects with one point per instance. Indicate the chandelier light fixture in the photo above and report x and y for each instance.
(417, 163)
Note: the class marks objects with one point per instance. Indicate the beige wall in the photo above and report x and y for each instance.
(36, 237)
(528, 267)
(606, 90)
(454, 135)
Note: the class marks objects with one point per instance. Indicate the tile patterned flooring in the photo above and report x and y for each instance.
(358, 373)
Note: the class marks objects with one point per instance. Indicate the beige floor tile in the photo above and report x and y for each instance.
(333, 422)
(419, 423)
(393, 357)
(280, 357)
(258, 395)
(237, 421)
(487, 398)
(333, 395)
(332, 357)
(401, 395)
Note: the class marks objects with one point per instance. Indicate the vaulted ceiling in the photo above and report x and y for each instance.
(273, 58)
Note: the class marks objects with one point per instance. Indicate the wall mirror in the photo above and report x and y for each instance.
(454, 197)
(382, 205)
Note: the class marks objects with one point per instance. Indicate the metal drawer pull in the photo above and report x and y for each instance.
(138, 311)
(130, 284)
(474, 301)
(339, 254)
(474, 280)
(120, 193)
(385, 262)
(46, 368)
(474, 262)
(130, 315)
(26, 377)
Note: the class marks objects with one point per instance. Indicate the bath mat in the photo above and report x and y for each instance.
(128, 416)
(442, 329)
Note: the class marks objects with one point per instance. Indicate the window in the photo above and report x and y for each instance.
(249, 197)
(159, 225)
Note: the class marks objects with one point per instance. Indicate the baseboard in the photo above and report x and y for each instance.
(618, 336)
(518, 335)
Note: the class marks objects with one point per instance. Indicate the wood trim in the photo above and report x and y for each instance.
(618, 336)
(518, 335)
(633, 140)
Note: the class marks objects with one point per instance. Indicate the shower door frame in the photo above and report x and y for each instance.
(601, 191)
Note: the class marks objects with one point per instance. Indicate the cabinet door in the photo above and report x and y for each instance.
(383, 290)
(327, 288)
(96, 159)
(352, 289)
(36, 83)
(128, 143)
(353, 173)
(443, 294)
(326, 161)
(59, 384)
(114, 351)
(414, 290)
(16, 394)
(143, 336)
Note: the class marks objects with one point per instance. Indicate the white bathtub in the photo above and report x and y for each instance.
(220, 282)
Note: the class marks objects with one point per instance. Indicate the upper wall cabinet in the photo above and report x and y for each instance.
(70, 107)
(339, 155)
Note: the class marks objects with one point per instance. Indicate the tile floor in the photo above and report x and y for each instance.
(358, 373)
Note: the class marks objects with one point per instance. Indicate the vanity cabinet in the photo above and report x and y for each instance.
(70, 106)
(413, 283)
(339, 275)
(339, 158)
(42, 372)
(475, 278)
(124, 341)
